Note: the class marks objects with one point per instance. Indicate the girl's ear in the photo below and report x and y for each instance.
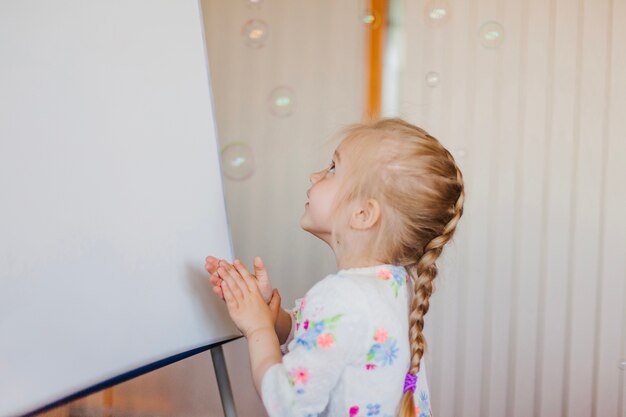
(365, 216)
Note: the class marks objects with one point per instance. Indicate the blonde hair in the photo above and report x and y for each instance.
(421, 193)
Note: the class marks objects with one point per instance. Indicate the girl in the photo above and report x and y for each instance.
(352, 346)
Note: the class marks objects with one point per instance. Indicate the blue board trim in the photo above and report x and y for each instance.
(130, 375)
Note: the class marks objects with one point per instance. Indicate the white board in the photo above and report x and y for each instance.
(111, 194)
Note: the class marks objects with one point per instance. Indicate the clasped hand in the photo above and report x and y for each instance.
(246, 305)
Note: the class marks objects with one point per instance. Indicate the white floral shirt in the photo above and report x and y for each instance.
(348, 350)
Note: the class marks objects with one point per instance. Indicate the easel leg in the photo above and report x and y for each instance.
(223, 384)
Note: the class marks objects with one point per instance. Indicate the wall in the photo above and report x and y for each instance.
(317, 49)
(528, 317)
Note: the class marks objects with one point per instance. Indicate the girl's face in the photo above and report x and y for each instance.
(319, 212)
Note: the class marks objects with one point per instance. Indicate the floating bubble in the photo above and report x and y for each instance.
(461, 153)
(237, 161)
(491, 34)
(432, 79)
(255, 4)
(369, 16)
(438, 11)
(255, 32)
(371, 19)
(282, 101)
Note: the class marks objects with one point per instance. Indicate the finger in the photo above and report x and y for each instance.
(275, 301)
(219, 292)
(238, 279)
(216, 281)
(217, 285)
(260, 271)
(229, 297)
(210, 264)
(235, 283)
(215, 278)
(275, 304)
(243, 272)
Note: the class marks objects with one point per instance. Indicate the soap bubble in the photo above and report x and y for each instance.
(432, 79)
(255, 32)
(438, 11)
(254, 4)
(371, 19)
(491, 34)
(282, 101)
(237, 161)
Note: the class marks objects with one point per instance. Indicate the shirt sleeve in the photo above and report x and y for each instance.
(293, 313)
(329, 331)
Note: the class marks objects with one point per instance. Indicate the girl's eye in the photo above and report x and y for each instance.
(331, 167)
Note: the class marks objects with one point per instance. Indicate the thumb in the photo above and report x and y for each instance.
(275, 302)
(260, 272)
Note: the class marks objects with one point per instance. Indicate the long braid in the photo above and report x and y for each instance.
(426, 271)
(421, 190)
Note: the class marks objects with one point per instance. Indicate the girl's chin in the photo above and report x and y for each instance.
(306, 227)
(312, 230)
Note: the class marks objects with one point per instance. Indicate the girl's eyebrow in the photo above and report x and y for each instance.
(336, 155)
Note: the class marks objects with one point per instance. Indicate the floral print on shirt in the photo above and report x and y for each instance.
(383, 351)
(334, 329)
(422, 408)
(318, 333)
(298, 313)
(396, 275)
(298, 377)
(372, 410)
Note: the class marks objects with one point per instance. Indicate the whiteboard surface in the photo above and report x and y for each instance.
(111, 193)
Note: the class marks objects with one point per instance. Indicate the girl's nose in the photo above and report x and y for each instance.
(314, 177)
